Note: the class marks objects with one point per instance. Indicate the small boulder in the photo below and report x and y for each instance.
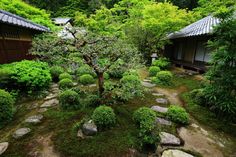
(175, 153)
(89, 128)
(159, 109)
(169, 139)
(21, 132)
(50, 103)
(148, 84)
(33, 106)
(3, 147)
(163, 121)
(162, 101)
(80, 134)
(41, 110)
(34, 119)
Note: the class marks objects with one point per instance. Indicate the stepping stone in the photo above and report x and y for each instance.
(158, 94)
(162, 101)
(54, 85)
(159, 109)
(33, 106)
(75, 84)
(163, 121)
(3, 147)
(34, 119)
(89, 128)
(21, 132)
(169, 139)
(92, 85)
(50, 103)
(148, 85)
(51, 96)
(41, 110)
(146, 80)
(175, 153)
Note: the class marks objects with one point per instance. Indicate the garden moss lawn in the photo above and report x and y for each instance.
(114, 142)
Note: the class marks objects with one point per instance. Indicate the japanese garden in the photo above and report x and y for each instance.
(117, 78)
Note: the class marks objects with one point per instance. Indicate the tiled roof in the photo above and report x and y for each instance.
(201, 27)
(12, 19)
(61, 20)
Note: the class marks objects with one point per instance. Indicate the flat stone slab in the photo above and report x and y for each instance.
(169, 139)
(51, 96)
(159, 109)
(50, 103)
(162, 101)
(41, 110)
(3, 147)
(175, 153)
(89, 128)
(148, 84)
(163, 121)
(34, 119)
(33, 106)
(146, 80)
(92, 85)
(21, 132)
(158, 94)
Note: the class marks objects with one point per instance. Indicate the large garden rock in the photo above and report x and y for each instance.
(3, 147)
(21, 132)
(175, 153)
(169, 139)
(34, 119)
(159, 109)
(163, 121)
(89, 128)
(148, 84)
(50, 103)
(163, 101)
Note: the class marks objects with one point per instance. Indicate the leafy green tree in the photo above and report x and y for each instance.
(184, 4)
(29, 12)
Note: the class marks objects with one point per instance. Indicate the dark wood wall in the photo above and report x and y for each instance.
(15, 43)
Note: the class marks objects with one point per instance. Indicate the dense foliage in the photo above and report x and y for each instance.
(29, 12)
(153, 70)
(69, 100)
(177, 114)
(6, 107)
(145, 119)
(163, 78)
(163, 63)
(56, 71)
(28, 76)
(104, 117)
(65, 75)
(65, 83)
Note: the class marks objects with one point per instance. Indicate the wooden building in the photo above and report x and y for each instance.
(189, 45)
(16, 35)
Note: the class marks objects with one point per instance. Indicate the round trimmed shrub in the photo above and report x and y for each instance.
(56, 71)
(65, 76)
(86, 79)
(65, 83)
(69, 100)
(144, 116)
(106, 76)
(131, 72)
(85, 69)
(153, 70)
(104, 117)
(163, 77)
(178, 115)
(6, 107)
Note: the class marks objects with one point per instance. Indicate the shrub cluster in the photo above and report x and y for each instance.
(163, 77)
(56, 71)
(65, 76)
(104, 117)
(5, 78)
(65, 83)
(27, 75)
(153, 70)
(145, 119)
(117, 69)
(163, 63)
(69, 100)
(178, 115)
(6, 107)
(86, 79)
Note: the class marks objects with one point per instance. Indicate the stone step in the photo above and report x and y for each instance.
(159, 109)
(169, 139)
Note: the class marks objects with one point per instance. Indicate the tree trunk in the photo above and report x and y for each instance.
(101, 83)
